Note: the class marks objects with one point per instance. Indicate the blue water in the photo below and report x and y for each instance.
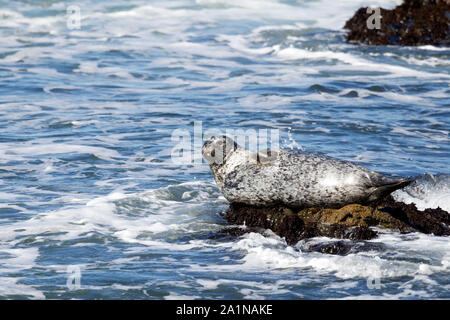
(86, 123)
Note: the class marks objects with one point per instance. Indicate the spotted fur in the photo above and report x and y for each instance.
(293, 178)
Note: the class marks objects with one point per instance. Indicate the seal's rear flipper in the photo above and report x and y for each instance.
(383, 190)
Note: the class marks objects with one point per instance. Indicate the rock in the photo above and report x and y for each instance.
(341, 247)
(338, 247)
(352, 222)
(335, 230)
(413, 23)
(300, 225)
(354, 215)
(280, 220)
(431, 221)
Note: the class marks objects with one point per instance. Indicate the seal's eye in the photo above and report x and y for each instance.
(213, 153)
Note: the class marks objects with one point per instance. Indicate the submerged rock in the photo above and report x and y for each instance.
(415, 22)
(352, 222)
(340, 247)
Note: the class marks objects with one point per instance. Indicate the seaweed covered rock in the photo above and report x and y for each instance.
(414, 22)
(295, 226)
(354, 215)
(431, 221)
(351, 222)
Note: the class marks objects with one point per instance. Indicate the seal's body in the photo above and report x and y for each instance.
(292, 178)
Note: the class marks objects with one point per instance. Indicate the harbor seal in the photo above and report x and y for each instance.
(292, 178)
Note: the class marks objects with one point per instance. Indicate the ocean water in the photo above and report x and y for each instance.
(92, 205)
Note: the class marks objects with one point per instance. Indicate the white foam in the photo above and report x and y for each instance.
(92, 67)
(433, 48)
(428, 191)
(10, 287)
(176, 296)
(18, 258)
(428, 61)
(101, 215)
(270, 253)
(15, 261)
(8, 151)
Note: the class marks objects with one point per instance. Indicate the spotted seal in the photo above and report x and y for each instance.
(292, 178)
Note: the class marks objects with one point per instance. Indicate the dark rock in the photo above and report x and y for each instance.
(338, 247)
(293, 226)
(341, 247)
(415, 22)
(280, 220)
(431, 221)
(338, 231)
(352, 222)
(240, 231)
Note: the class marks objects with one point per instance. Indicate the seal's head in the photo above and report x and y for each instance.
(215, 150)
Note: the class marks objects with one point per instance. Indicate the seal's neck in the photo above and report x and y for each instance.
(217, 165)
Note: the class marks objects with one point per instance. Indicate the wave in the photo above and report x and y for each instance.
(428, 191)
